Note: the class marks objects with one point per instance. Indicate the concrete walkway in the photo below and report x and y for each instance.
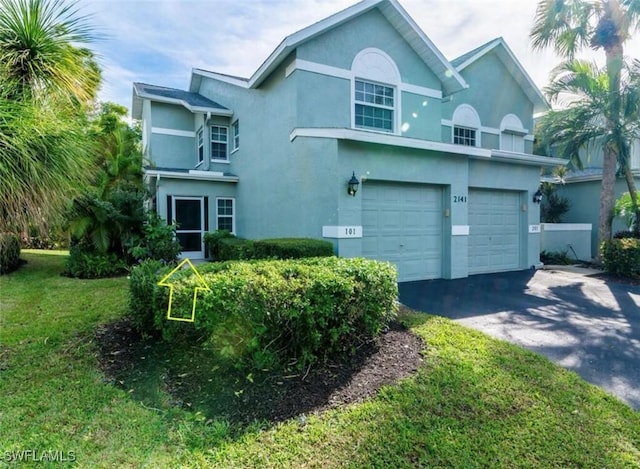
(582, 323)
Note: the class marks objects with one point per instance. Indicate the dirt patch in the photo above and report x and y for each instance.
(195, 381)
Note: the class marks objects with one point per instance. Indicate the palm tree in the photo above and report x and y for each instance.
(584, 125)
(47, 82)
(571, 25)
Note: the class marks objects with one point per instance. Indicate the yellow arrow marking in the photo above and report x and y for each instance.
(164, 283)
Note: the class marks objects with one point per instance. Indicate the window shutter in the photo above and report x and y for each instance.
(206, 213)
(169, 211)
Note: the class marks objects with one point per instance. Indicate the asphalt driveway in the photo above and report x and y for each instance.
(582, 323)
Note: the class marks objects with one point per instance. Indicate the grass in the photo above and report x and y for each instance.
(476, 401)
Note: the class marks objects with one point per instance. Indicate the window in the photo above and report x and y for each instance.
(219, 138)
(200, 143)
(374, 106)
(224, 215)
(512, 134)
(235, 129)
(464, 136)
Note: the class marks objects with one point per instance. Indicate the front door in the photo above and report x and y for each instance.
(189, 218)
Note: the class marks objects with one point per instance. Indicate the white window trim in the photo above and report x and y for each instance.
(204, 150)
(211, 158)
(462, 123)
(514, 130)
(233, 212)
(476, 138)
(393, 82)
(394, 109)
(234, 147)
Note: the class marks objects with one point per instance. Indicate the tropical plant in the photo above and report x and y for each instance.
(582, 127)
(47, 81)
(553, 206)
(571, 25)
(624, 209)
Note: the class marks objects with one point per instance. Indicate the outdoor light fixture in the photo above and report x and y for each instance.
(537, 197)
(352, 186)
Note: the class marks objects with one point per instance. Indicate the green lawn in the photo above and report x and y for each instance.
(476, 402)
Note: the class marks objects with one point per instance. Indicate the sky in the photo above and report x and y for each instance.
(160, 41)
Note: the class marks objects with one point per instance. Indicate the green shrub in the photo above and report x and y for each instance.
(212, 242)
(622, 257)
(9, 253)
(276, 312)
(158, 241)
(144, 296)
(85, 264)
(292, 248)
(555, 258)
(235, 249)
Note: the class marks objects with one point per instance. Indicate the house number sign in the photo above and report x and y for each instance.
(459, 199)
(342, 231)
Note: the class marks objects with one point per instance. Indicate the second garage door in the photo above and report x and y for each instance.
(494, 231)
(402, 223)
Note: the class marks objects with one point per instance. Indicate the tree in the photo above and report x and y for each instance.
(47, 84)
(584, 124)
(571, 25)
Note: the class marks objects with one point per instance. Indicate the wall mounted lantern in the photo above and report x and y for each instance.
(352, 186)
(537, 197)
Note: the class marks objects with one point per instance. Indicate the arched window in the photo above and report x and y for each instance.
(466, 126)
(375, 87)
(512, 134)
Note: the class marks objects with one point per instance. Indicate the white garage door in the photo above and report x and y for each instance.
(494, 231)
(402, 223)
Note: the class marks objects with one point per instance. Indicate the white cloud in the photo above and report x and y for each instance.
(161, 41)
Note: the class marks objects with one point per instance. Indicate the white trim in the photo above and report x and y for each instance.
(489, 130)
(241, 82)
(420, 90)
(566, 226)
(395, 109)
(385, 138)
(342, 232)
(233, 214)
(234, 147)
(447, 122)
(540, 104)
(465, 116)
(191, 175)
(529, 138)
(201, 231)
(173, 132)
(459, 230)
(228, 144)
(315, 67)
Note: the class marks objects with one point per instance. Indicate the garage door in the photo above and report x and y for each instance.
(494, 231)
(402, 223)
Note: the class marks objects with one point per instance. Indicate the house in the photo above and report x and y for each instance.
(442, 151)
(582, 188)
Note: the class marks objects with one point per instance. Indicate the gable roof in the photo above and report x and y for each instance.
(194, 102)
(511, 63)
(451, 80)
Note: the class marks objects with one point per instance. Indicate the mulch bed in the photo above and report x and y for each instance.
(271, 396)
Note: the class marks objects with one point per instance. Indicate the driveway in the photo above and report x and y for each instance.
(582, 323)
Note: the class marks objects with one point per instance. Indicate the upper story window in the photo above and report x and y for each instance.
(512, 134)
(374, 106)
(466, 126)
(200, 144)
(235, 132)
(219, 143)
(376, 79)
(464, 136)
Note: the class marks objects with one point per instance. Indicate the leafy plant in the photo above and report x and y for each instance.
(158, 241)
(276, 312)
(9, 253)
(212, 242)
(555, 258)
(624, 209)
(553, 206)
(622, 257)
(83, 264)
(292, 248)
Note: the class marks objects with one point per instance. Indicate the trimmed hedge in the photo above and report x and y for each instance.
(271, 312)
(9, 253)
(292, 248)
(83, 264)
(223, 246)
(622, 256)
